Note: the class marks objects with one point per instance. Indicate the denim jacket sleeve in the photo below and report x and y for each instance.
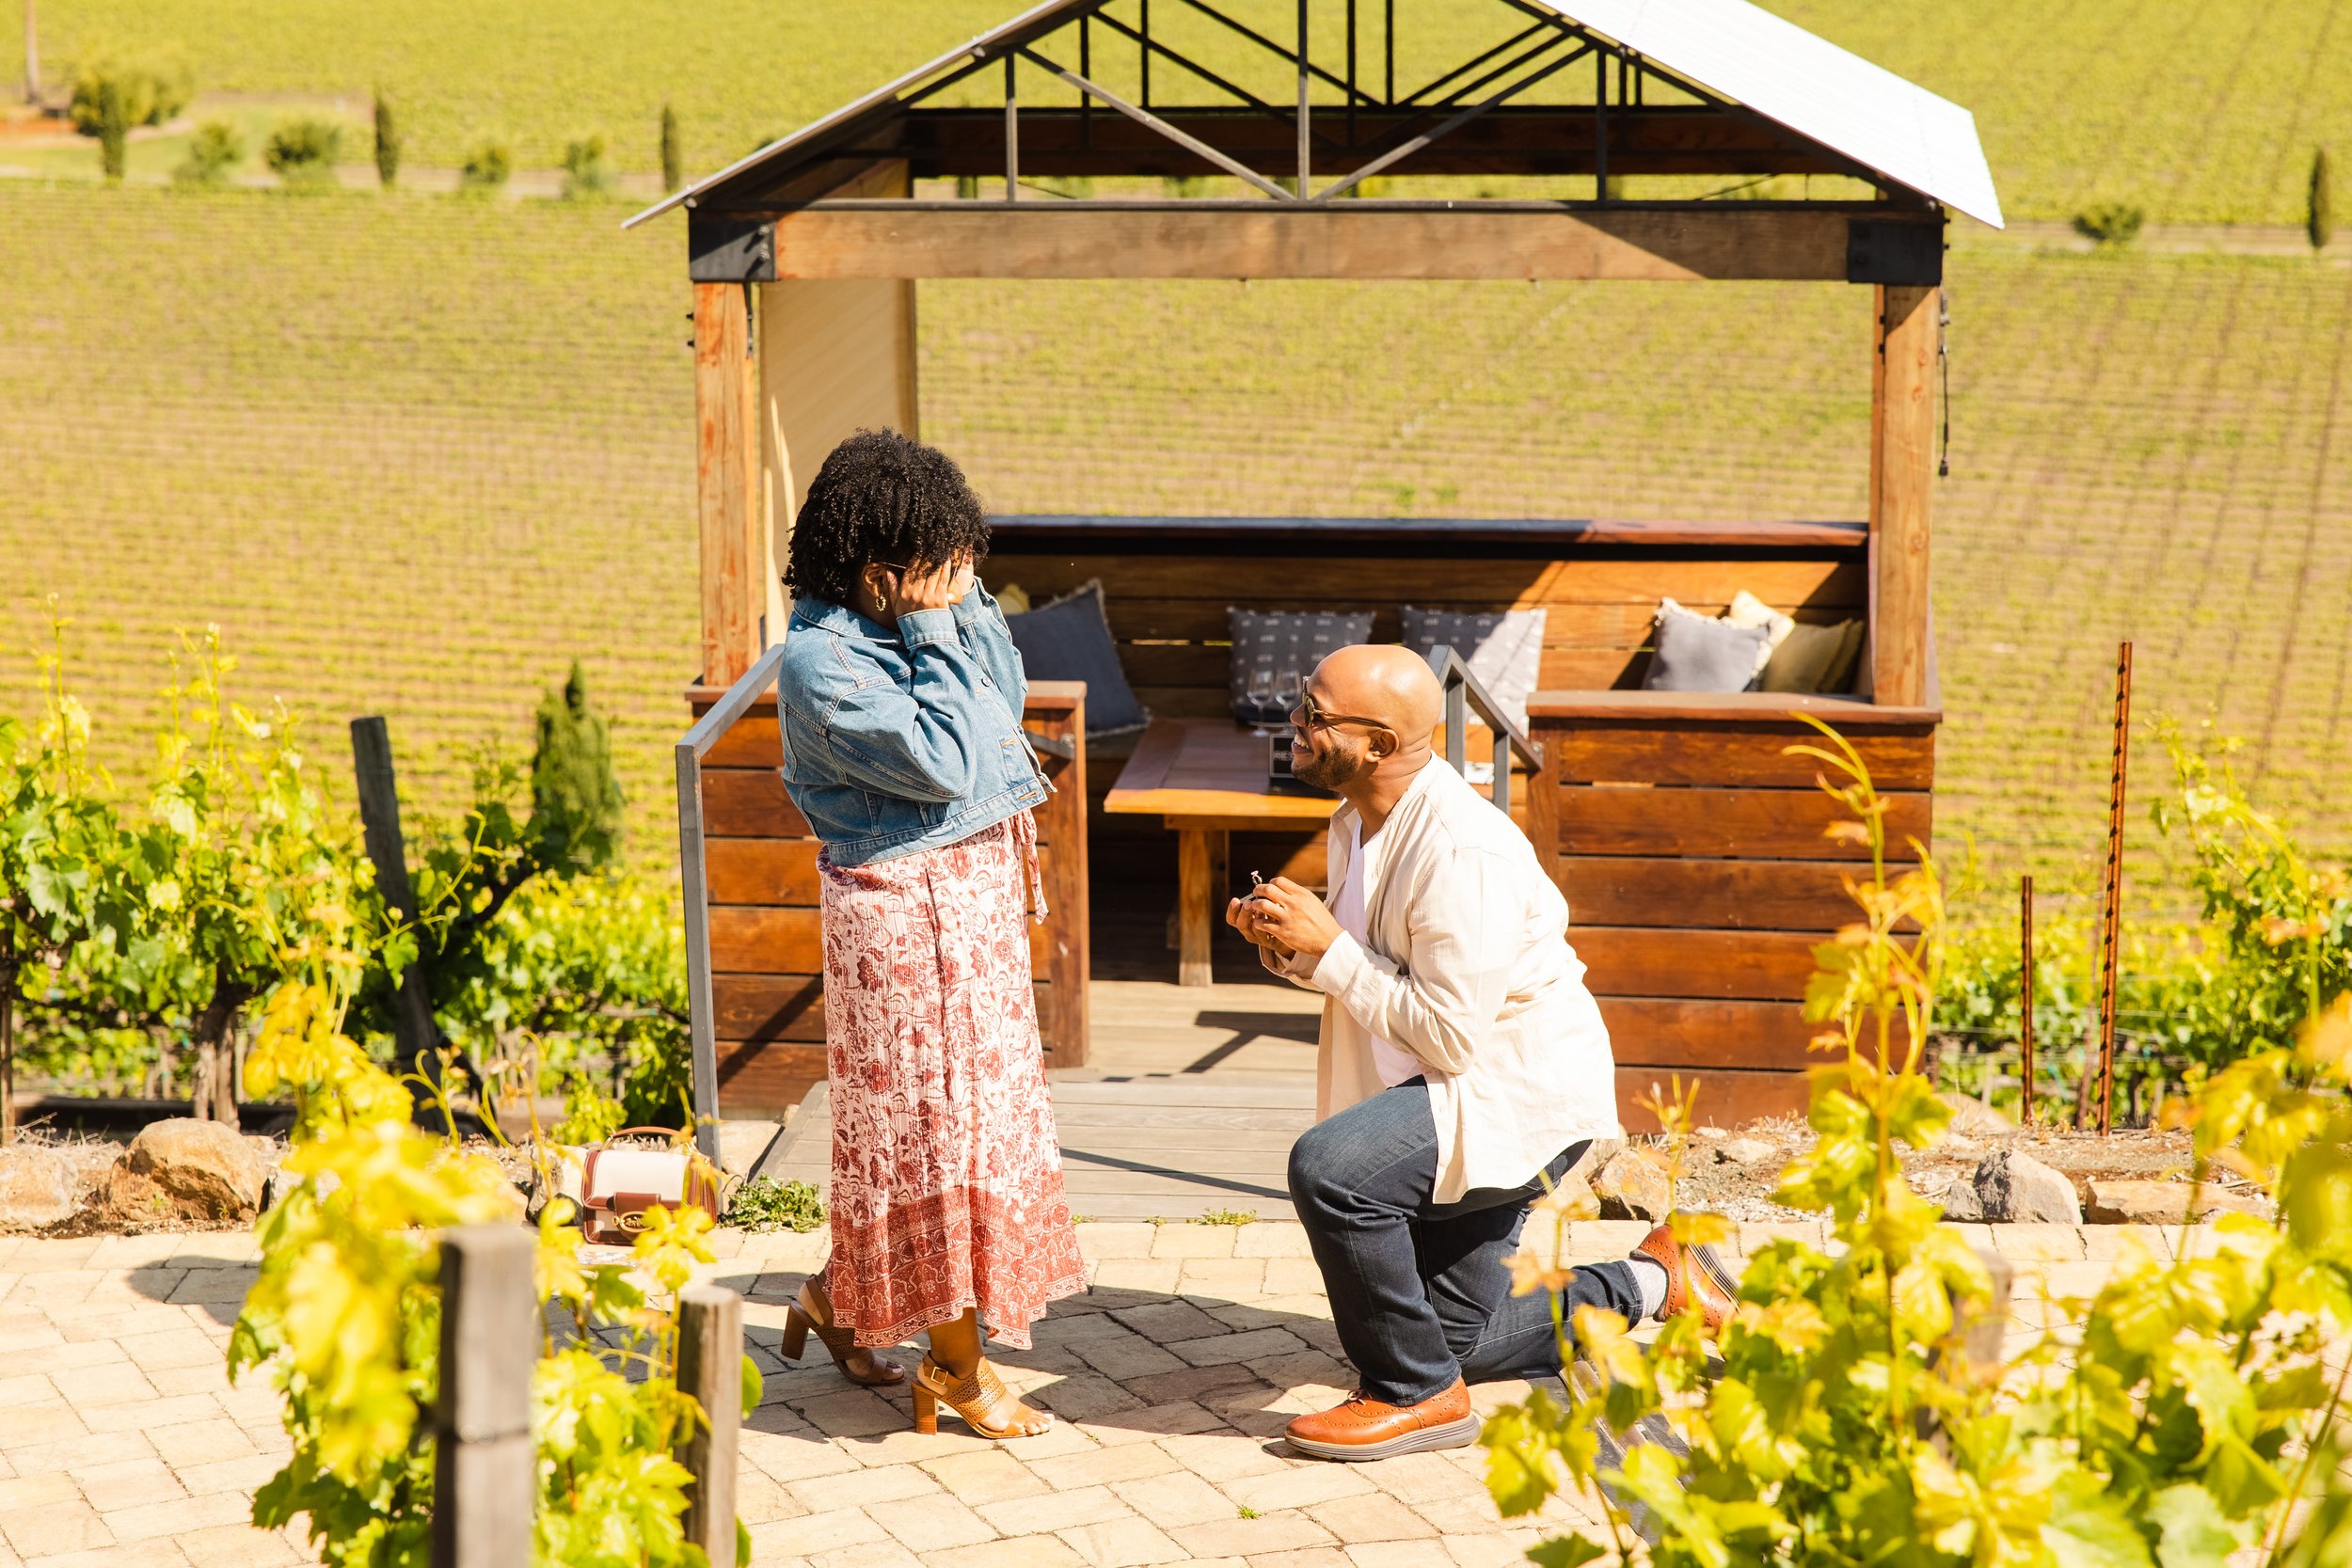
(917, 744)
(980, 623)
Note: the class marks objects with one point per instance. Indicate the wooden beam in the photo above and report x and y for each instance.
(1903, 474)
(1356, 240)
(728, 483)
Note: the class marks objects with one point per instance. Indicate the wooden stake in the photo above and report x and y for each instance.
(485, 1479)
(2024, 997)
(2111, 917)
(710, 1367)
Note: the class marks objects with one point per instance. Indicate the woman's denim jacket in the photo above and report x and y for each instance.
(906, 739)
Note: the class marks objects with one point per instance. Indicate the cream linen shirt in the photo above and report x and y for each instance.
(1466, 965)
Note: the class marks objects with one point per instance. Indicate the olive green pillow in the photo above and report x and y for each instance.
(1814, 659)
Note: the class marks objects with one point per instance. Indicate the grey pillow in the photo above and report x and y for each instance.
(1070, 640)
(1694, 652)
(1276, 650)
(1504, 649)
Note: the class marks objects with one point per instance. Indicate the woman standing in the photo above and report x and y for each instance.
(900, 697)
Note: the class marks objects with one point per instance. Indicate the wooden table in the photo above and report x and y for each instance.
(1206, 777)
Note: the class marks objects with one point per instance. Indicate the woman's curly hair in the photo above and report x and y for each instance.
(880, 497)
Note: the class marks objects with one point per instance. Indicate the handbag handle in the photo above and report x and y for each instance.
(665, 1133)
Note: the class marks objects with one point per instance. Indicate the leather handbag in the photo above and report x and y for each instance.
(619, 1181)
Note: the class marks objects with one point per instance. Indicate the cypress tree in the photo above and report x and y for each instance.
(114, 127)
(387, 141)
(574, 800)
(2319, 221)
(673, 160)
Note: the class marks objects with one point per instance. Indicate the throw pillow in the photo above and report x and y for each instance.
(1814, 658)
(1070, 640)
(1504, 649)
(1748, 611)
(1276, 650)
(1695, 653)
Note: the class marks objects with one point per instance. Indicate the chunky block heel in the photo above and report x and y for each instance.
(796, 1327)
(926, 1411)
(801, 1320)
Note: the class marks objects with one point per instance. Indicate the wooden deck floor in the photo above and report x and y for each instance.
(1189, 1105)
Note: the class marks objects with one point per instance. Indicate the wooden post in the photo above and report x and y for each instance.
(1194, 858)
(484, 1468)
(2111, 915)
(2024, 1002)
(1903, 467)
(727, 482)
(414, 1033)
(710, 1367)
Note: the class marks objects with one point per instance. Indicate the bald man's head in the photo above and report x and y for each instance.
(1378, 703)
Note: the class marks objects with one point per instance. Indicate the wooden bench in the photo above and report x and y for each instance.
(1690, 849)
(765, 935)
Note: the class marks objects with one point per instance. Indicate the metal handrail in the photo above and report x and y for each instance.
(1464, 691)
(702, 1017)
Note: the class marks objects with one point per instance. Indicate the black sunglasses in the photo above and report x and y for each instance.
(1310, 715)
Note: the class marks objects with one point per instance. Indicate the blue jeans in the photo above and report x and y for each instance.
(1419, 1292)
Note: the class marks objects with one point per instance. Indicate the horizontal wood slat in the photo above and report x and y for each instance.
(749, 802)
(1759, 824)
(1748, 896)
(1624, 625)
(1726, 1098)
(761, 940)
(1370, 580)
(1750, 755)
(1734, 965)
(1205, 665)
(1677, 1032)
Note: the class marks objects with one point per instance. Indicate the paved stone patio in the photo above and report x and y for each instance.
(123, 1445)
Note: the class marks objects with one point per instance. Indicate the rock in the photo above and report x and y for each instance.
(742, 1144)
(36, 1187)
(185, 1169)
(2009, 1188)
(2163, 1203)
(1955, 1143)
(1975, 1117)
(1633, 1185)
(1576, 1197)
(1746, 1150)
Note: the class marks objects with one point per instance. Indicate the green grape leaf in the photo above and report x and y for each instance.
(2087, 1528)
(1567, 1551)
(2195, 1533)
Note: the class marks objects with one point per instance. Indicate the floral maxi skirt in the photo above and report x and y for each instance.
(947, 1171)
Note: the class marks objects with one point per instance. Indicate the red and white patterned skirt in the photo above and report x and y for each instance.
(947, 1171)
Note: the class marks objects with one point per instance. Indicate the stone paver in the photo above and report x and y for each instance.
(124, 1443)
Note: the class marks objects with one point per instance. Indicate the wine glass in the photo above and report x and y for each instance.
(1290, 685)
(1259, 686)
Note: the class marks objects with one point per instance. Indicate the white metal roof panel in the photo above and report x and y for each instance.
(1775, 67)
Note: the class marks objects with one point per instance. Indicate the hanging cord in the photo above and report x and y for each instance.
(1944, 365)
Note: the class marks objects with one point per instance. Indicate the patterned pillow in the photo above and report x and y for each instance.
(1070, 640)
(1504, 649)
(1276, 650)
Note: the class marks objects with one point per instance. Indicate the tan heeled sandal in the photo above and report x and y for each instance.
(978, 1398)
(840, 1343)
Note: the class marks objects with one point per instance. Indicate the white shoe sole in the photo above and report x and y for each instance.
(1453, 1434)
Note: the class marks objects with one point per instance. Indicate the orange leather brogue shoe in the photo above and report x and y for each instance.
(1704, 1277)
(1368, 1429)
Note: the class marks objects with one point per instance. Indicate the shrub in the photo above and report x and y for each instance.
(2110, 224)
(584, 174)
(487, 165)
(387, 142)
(149, 90)
(217, 148)
(302, 151)
(672, 156)
(2319, 213)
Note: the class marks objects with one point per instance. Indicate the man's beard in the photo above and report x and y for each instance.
(1330, 769)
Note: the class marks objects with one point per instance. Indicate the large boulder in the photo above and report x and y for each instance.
(36, 1187)
(1633, 1185)
(1746, 1149)
(2162, 1203)
(187, 1170)
(2010, 1188)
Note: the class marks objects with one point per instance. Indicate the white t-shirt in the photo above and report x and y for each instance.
(1348, 908)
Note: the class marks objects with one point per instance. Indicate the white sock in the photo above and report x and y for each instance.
(1651, 1277)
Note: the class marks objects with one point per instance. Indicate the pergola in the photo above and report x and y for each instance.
(804, 258)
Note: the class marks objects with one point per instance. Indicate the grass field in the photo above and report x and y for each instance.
(416, 454)
(2201, 114)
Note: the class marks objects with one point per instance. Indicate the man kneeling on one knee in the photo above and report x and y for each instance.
(1462, 1065)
